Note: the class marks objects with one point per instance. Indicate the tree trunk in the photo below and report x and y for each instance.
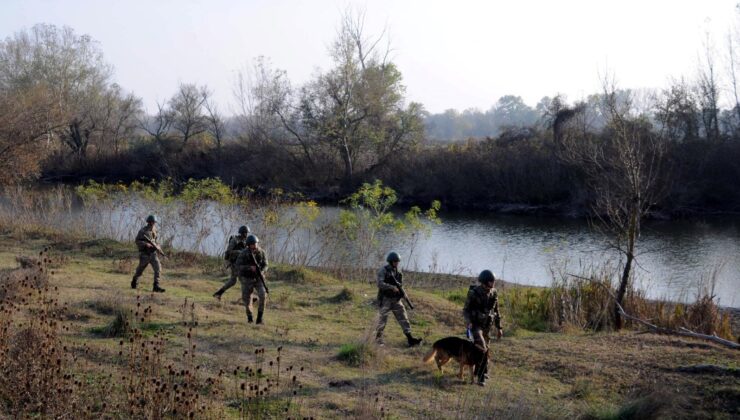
(632, 232)
(622, 291)
(347, 158)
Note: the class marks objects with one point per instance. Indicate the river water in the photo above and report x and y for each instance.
(675, 259)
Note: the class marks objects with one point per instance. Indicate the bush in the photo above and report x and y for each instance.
(356, 354)
(345, 295)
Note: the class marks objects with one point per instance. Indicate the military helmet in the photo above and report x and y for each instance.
(151, 219)
(393, 257)
(243, 230)
(252, 239)
(486, 276)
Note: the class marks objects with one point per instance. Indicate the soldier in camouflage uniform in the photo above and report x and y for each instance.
(481, 312)
(146, 242)
(247, 263)
(389, 300)
(236, 244)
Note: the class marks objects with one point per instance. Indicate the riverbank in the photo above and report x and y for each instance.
(311, 316)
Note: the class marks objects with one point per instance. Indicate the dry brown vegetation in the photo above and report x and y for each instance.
(182, 352)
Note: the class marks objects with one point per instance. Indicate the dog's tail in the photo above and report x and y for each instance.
(428, 358)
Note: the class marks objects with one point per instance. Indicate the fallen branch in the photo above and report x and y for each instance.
(660, 330)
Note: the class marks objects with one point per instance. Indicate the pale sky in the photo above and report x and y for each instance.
(452, 54)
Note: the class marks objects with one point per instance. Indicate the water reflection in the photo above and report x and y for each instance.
(673, 256)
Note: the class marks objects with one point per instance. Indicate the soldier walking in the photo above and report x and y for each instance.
(237, 243)
(481, 312)
(146, 242)
(389, 300)
(251, 265)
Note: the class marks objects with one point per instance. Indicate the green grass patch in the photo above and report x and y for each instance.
(356, 354)
(458, 296)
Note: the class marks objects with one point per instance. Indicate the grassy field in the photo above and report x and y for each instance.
(312, 316)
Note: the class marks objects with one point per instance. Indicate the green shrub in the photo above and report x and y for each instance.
(356, 354)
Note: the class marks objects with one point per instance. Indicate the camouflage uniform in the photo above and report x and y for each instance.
(250, 279)
(389, 300)
(147, 254)
(236, 245)
(481, 312)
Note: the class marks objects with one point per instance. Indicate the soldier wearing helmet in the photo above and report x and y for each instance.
(389, 300)
(250, 262)
(146, 242)
(481, 313)
(236, 244)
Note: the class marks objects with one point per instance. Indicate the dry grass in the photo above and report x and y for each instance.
(552, 375)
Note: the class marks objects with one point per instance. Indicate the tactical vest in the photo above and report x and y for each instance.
(389, 280)
(240, 245)
(481, 306)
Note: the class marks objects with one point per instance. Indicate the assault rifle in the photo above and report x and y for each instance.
(394, 282)
(156, 247)
(260, 274)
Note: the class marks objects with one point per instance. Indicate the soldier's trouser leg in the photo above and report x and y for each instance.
(249, 287)
(383, 311)
(229, 284)
(399, 311)
(401, 316)
(260, 297)
(481, 337)
(143, 262)
(157, 267)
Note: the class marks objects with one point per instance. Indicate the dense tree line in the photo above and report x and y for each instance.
(63, 118)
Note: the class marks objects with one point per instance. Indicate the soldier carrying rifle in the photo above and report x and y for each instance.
(252, 265)
(237, 243)
(390, 293)
(149, 252)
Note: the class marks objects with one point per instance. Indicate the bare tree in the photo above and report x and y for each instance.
(357, 108)
(158, 125)
(709, 93)
(122, 113)
(215, 123)
(622, 167)
(186, 111)
(269, 111)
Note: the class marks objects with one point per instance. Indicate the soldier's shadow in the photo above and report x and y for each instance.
(426, 376)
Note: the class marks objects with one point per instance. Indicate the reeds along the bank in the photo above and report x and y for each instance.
(572, 302)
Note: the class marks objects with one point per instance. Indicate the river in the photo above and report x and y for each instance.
(675, 258)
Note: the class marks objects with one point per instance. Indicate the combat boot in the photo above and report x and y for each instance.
(133, 282)
(249, 319)
(217, 295)
(412, 341)
(379, 339)
(157, 289)
(259, 317)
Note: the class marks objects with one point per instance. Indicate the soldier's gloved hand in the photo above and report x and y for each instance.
(253, 269)
(396, 291)
(499, 333)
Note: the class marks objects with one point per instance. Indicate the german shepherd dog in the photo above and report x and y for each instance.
(465, 352)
